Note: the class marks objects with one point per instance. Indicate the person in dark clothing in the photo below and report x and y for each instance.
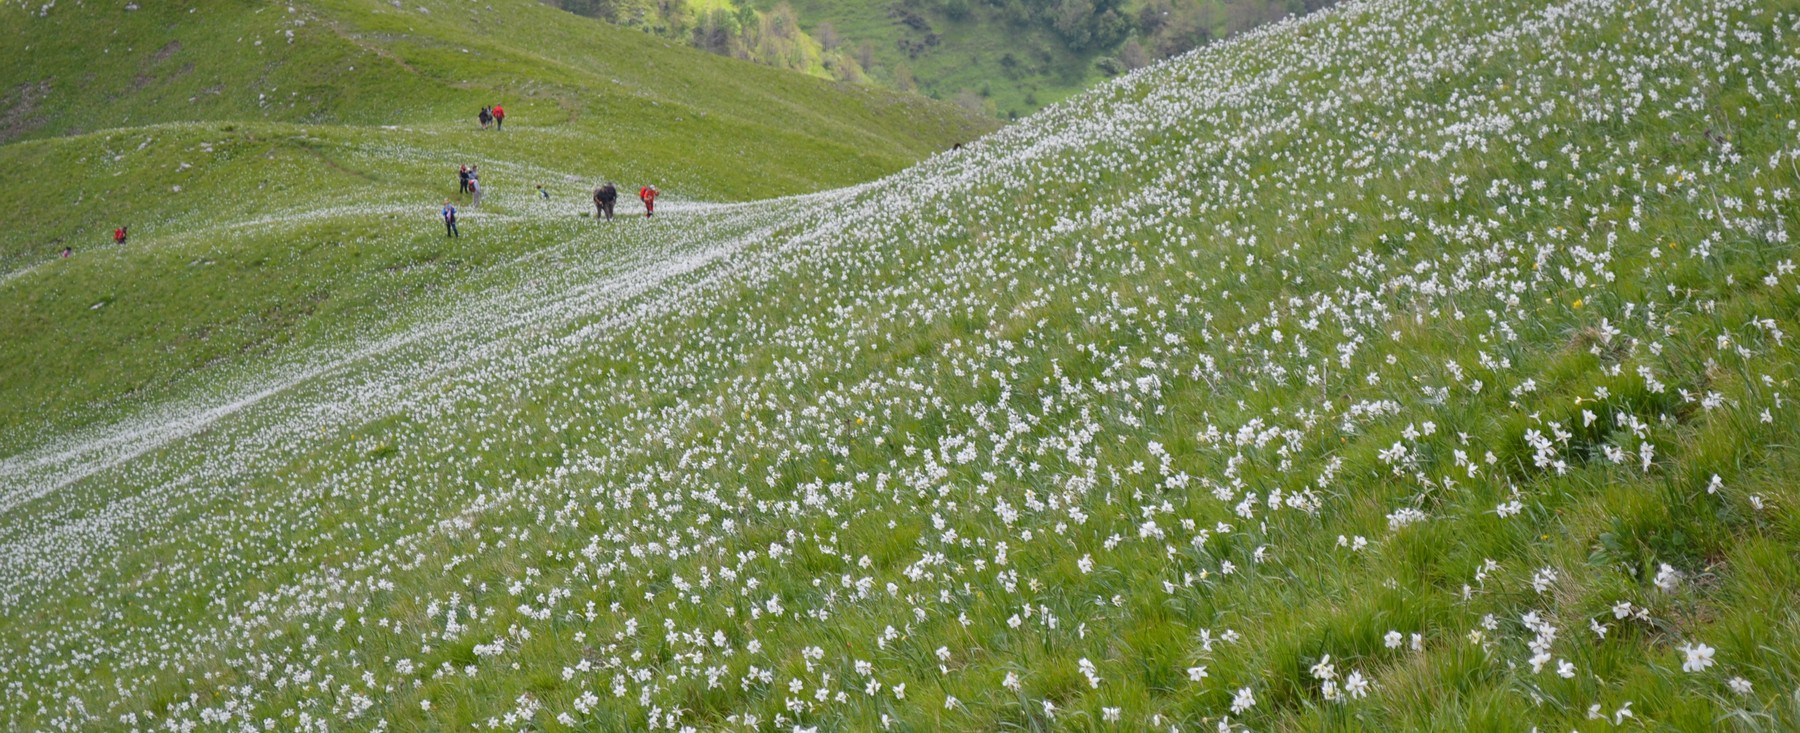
(545, 195)
(485, 117)
(604, 198)
(462, 179)
(450, 219)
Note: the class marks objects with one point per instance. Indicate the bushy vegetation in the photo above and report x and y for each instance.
(771, 37)
(994, 57)
(1011, 57)
(1411, 366)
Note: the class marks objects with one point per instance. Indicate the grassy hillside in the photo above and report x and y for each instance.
(184, 121)
(1413, 366)
(586, 99)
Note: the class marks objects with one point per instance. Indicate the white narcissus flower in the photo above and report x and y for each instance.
(1622, 713)
(1667, 578)
(1242, 701)
(1324, 670)
(1697, 657)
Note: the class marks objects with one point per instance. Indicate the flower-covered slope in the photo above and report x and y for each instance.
(1410, 366)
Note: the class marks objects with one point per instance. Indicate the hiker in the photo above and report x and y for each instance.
(604, 198)
(648, 195)
(545, 195)
(462, 179)
(499, 117)
(474, 193)
(450, 219)
(67, 250)
(485, 117)
(119, 235)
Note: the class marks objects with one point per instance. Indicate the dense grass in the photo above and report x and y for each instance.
(1399, 345)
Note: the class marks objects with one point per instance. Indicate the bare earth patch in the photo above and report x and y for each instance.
(18, 110)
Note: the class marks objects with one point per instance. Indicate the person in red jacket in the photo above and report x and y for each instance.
(499, 117)
(648, 195)
(119, 235)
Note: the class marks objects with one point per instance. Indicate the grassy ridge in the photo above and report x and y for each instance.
(369, 63)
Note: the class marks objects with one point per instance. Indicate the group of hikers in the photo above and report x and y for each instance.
(493, 115)
(119, 236)
(468, 181)
(606, 196)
